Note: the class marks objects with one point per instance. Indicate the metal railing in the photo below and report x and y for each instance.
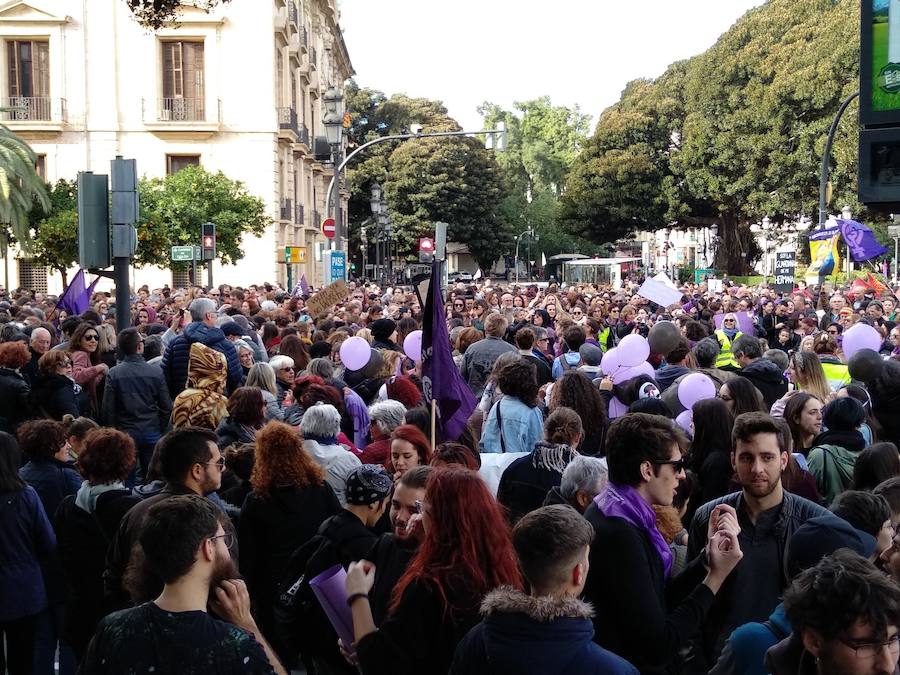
(304, 38)
(293, 13)
(300, 218)
(316, 220)
(287, 119)
(181, 110)
(313, 57)
(287, 209)
(33, 109)
(304, 134)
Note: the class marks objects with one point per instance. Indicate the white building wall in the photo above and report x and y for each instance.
(108, 69)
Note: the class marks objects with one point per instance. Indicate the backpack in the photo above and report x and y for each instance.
(299, 622)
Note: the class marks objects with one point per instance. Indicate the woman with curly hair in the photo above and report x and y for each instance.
(467, 551)
(289, 501)
(85, 523)
(515, 422)
(575, 390)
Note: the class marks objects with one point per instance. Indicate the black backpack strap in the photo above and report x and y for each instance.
(776, 630)
(500, 426)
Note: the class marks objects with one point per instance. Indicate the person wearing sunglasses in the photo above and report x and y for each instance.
(767, 516)
(630, 561)
(87, 369)
(188, 547)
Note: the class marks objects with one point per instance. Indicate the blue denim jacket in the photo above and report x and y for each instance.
(522, 427)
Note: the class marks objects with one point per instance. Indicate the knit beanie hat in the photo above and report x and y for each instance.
(382, 329)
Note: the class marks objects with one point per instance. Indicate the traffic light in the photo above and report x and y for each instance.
(426, 250)
(93, 221)
(208, 241)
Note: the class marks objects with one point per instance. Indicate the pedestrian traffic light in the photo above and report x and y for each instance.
(426, 250)
(208, 241)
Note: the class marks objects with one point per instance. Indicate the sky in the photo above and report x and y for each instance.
(581, 52)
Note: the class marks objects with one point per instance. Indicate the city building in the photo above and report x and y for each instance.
(236, 90)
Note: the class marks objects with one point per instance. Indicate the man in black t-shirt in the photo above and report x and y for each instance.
(184, 544)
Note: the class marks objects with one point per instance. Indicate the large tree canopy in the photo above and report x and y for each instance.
(729, 136)
(154, 14)
(452, 180)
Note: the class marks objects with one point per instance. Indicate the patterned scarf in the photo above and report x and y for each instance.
(623, 501)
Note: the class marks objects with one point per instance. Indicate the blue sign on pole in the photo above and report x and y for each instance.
(336, 266)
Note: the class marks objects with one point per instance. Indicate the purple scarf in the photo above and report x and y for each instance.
(623, 501)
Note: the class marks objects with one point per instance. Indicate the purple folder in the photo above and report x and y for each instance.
(331, 591)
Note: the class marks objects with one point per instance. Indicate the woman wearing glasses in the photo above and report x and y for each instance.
(54, 392)
(87, 369)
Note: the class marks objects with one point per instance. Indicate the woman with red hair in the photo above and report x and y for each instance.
(409, 448)
(467, 552)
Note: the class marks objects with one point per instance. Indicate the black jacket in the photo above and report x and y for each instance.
(15, 407)
(525, 483)
(136, 397)
(755, 571)
(82, 540)
(526, 634)
(391, 559)
(768, 378)
(641, 617)
(272, 528)
(54, 396)
(232, 433)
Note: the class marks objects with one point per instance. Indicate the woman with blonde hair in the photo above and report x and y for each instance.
(262, 376)
(806, 372)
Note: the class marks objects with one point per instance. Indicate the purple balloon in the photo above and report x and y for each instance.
(860, 336)
(684, 420)
(633, 349)
(616, 408)
(412, 345)
(624, 374)
(695, 387)
(610, 362)
(355, 353)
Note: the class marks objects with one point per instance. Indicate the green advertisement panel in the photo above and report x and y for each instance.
(880, 61)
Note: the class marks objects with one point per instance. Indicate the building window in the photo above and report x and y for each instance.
(184, 92)
(40, 166)
(28, 79)
(175, 163)
(32, 275)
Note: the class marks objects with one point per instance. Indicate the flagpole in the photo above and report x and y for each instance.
(433, 423)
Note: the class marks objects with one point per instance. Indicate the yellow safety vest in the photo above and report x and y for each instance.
(837, 374)
(726, 357)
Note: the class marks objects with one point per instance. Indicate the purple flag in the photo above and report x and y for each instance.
(860, 240)
(304, 286)
(76, 298)
(441, 380)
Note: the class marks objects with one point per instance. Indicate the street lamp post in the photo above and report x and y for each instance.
(375, 204)
(333, 121)
(530, 233)
(847, 214)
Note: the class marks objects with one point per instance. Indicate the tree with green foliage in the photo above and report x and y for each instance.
(55, 241)
(21, 190)
(453, 180)
(154, 14)
(543, 141)
(173, 209)
(729, 136)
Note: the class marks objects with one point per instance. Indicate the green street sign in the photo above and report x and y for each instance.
(182, 253)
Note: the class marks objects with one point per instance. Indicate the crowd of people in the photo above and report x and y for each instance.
(708, 487)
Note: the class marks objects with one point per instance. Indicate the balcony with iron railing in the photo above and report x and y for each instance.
(304, 134)
(313, 58)
(287, 209)
(287, 121)
(304, 37)
(300, 218)
(182, 115)
(293, 13)
(38, 112)
(316, 220)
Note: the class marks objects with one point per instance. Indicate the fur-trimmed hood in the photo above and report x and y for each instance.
(543, 609)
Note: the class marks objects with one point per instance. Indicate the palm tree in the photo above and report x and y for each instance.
(20, 188)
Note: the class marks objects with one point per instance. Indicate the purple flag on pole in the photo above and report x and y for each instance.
(76, 298)
(441, 380)
(304, 285)
(860, 240)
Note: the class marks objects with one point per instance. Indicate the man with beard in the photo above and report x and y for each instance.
(190, 463)
(393, 550)
(184, 544)
(768, 516)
